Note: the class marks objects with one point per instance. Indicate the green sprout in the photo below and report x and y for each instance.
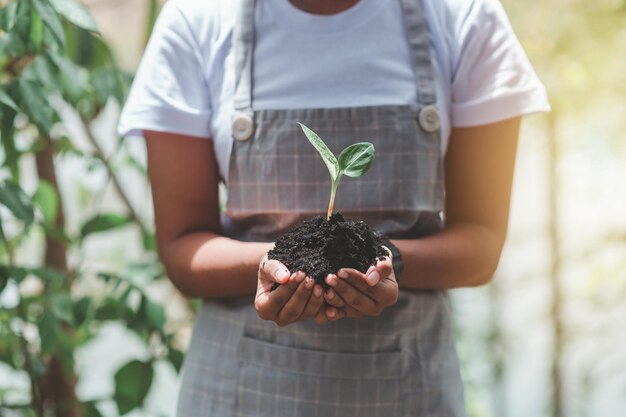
(353, 161)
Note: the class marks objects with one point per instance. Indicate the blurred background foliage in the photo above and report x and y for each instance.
(57, 72)
(90, 326)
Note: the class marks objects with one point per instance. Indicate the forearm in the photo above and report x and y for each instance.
(207, 265)
(463, 255)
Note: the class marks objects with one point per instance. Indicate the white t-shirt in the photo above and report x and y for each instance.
(359, 57)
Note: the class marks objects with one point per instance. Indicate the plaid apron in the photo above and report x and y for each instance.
(401, 363)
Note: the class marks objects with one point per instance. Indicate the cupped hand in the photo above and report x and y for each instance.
(297, 299)
(357, 294)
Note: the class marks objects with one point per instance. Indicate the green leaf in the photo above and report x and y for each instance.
(36, 30)
(75, 13)
(153, 313)
(12, 197)
(73, 80)
(63, 308)
(149, 241)
(48, 330)
(327, 155)
(91, 410)
(7, 131)
(108, 309)
(7, 16)
(8, 101)
(16, 273)
(6, 273)
(102, 223)
(3, 237)
(20, 26)
(356, 159)
(47, 201)
(176, 358)
(42, 71)
(36, 104)
(51, 19)
(49, 275)
(132, 383)
(82, 310)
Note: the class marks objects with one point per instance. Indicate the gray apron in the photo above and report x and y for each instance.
(401, 363)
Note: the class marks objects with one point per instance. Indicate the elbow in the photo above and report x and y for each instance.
(181, 280)
(487, 264)
(484, 277)
(178, 279)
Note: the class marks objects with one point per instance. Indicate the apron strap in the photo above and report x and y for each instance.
(417, 32)
(244, 46)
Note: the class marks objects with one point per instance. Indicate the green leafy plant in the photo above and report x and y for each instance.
(57, 76)
(353, 161)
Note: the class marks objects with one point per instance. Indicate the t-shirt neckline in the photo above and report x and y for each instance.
(303, 22)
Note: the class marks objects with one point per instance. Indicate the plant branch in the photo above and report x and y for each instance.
(132, 213)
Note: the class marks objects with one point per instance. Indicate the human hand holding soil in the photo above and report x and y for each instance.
(297, 299)
(356, 294)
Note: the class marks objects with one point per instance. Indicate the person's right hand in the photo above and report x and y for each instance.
(298, 298)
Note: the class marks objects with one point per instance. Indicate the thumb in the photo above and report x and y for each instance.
(385, 267)
(275, 271)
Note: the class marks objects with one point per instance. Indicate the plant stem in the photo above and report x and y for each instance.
(333, 191)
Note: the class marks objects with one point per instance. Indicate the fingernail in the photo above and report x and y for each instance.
(330, 280)
(330, 294)
(282, 275)
(309, 283)
(300, 277)
(317, 291)
(331, 312)
(373, 278)
(343, 274)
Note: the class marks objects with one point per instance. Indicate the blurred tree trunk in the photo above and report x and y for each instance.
(58, 384)
(556, 302)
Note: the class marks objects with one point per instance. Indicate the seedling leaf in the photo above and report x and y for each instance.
(356, 159)
(353, 161)
(327, 155)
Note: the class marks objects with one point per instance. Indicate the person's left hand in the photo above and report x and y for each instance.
(355, 294)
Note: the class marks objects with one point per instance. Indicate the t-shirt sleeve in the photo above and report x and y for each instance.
(492, 77)
(169, 92)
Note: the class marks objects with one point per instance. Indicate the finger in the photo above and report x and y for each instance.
(294, 307)
(385, 268)
(269, 304)
(334, 314)
(385, 293)
(358, 280)
(333, 299)
(320, 317)
(315, 302)
(352, 297)
(275, 271)
(371, 277)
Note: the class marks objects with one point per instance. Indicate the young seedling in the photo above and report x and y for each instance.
(353, 161)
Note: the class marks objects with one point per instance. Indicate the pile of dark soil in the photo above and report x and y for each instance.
(320, 247)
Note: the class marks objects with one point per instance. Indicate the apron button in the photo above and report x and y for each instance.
(242, 126)
(429, 119)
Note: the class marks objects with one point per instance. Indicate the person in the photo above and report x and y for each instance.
(439, 88)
